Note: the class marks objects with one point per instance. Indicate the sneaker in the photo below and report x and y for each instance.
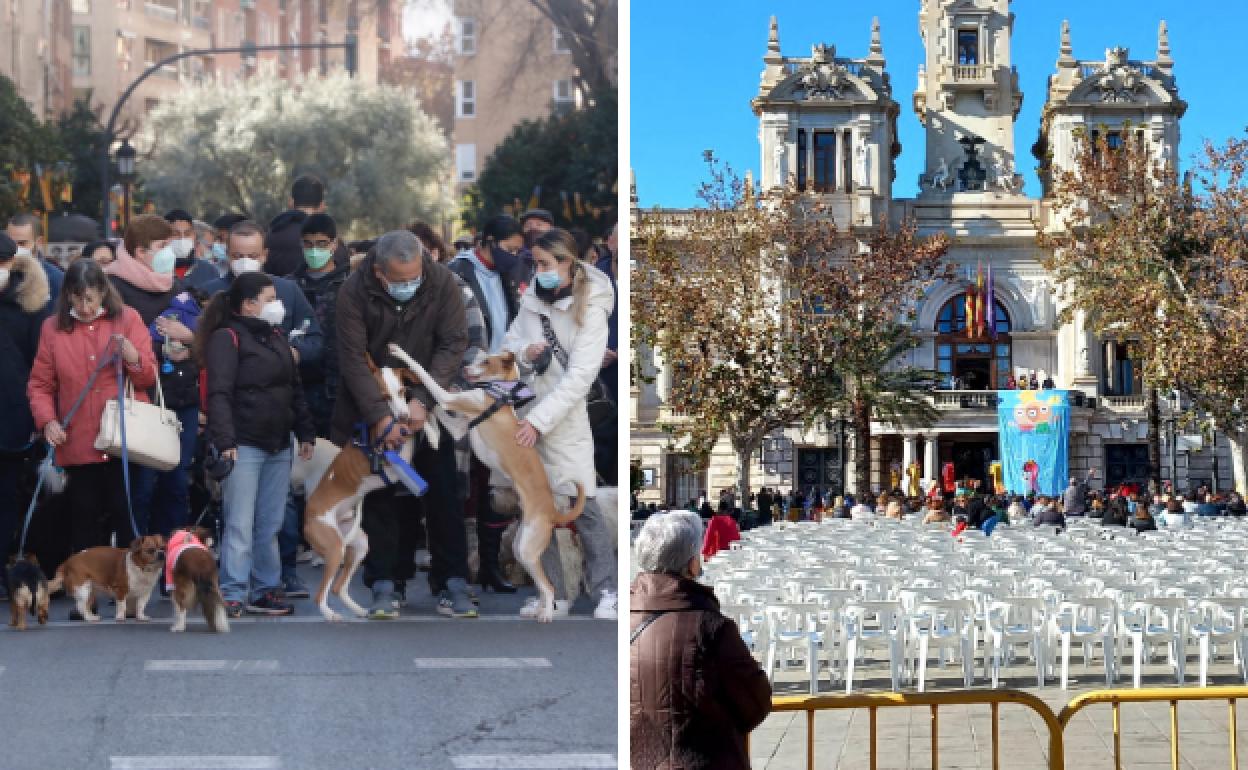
(294, 588)
(608, 607)
(529, 610)
(234, 609)
(304, 555)
(398, 597)
(269, 604)
(454, 601)
(423, 560)
(383, 601)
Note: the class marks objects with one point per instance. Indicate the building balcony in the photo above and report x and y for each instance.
(964, 399)
(160, 11)
(1125, 403)
(977, 75)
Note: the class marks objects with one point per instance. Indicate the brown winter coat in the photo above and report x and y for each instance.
(430, 327)
(695, 692)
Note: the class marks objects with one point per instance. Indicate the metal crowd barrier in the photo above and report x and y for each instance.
(873, 702)
(1057, 724)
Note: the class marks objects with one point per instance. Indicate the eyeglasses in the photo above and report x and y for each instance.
(321, 244)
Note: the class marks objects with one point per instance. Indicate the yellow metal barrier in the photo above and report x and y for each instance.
(875, 701)
(1153, 695)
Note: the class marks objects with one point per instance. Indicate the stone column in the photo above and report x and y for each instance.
(929, 457)
(909, 445)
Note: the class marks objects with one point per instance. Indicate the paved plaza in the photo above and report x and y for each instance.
(965, 732)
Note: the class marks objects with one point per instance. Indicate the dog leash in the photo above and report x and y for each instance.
(69, 416)
(517, 395)
(125, 455)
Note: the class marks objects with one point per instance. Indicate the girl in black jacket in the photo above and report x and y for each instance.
(255, 401)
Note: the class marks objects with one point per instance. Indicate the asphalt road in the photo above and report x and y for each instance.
(297, 693)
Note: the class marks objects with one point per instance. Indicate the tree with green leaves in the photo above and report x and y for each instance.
(215, 148)
(25, 142)
(562, 157)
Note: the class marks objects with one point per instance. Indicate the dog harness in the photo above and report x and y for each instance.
(505, 393)
(182, 540)
(379, 458)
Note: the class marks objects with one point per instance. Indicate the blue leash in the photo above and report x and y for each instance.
(51, 450)
(125, 455)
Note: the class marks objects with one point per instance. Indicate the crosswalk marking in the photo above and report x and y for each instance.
(242, 666)
(195, 763)
(482, 663)
(533, 761)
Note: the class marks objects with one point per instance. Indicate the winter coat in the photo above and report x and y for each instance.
(56, 277)
(197, 274)
(1050, 517)
(694, 691)
(285, 243)
(611, 374)
(180, 386)
(465, 266)
(62, 367)
(1074, 499)
(311, 342)
(1146, 524)
(721, 532)
(321, 293)
(255, 397)
(559, 414)
(430, 327)
(23, 307)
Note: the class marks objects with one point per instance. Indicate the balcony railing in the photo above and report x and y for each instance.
(1125, 402)
(160, 11)
(970, 73)
(964, 399)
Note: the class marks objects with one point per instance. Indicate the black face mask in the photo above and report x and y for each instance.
(551, 296)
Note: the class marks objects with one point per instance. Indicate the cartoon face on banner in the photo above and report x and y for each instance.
(1033, 428)
(1033, 415)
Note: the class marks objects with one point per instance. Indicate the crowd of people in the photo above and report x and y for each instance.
(257, 339)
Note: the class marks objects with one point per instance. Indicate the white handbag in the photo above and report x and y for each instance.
(151, 431)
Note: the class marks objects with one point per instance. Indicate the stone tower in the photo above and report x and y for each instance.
(968, 96)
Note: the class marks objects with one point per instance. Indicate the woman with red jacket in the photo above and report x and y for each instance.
(721, 531)
(89, 327)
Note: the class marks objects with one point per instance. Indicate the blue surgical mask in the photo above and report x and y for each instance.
(164, 260)
(549, 280)
(405, 290)
(218, 252)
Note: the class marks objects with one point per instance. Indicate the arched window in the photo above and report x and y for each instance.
(979, 362)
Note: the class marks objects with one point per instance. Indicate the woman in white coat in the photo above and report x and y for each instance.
(560, 337)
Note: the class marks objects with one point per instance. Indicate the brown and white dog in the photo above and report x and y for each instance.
(333, 510)
(129, 574)
(191, 576)
(28, 591)
(494, 443)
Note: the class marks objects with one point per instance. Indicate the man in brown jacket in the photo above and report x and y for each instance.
(401, 295)
(695, 692)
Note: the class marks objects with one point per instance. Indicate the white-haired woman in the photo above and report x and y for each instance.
(695, 691)
(560, 336)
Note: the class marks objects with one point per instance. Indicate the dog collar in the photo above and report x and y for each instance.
(515, 393)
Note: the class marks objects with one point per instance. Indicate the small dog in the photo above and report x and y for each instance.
(191, 576)
(130, 575)
(28, 591)
(494, 443)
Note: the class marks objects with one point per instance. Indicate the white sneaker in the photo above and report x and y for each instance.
(608, 607)
(529, 610)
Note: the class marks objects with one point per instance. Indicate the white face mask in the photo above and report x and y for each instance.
(274, 312)
(22, 251)
(244, 265)
(182, 247)
(73, 312)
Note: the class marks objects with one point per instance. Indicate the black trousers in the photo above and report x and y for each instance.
(12, 503)
(391, 522)
(97, 505)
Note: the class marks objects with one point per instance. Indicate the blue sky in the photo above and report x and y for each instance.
(696, 65)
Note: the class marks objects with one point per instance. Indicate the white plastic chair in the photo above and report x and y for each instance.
(1088, 621)
(1218, 621)
(944, 625)
(1018, 620)
(792, 634)
(872, 625)
(1149, 622)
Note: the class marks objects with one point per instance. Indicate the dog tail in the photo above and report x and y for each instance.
(576, 510)
(58, 580)
(213, 606)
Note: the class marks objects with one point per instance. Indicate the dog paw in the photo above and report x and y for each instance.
(144, 619)
(546, 616)
(177, 629)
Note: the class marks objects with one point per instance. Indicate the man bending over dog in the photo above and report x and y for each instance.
(401, 295)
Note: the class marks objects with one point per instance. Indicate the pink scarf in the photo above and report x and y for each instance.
(137, 274)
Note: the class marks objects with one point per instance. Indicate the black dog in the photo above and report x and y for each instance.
(28, 591)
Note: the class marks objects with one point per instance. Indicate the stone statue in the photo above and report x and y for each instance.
(940, 177)
(862, 169)
(781, 168)
(1004, 172)
(1084, 365)
(1037, 297)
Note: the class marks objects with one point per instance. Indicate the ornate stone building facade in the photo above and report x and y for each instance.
(830, 122)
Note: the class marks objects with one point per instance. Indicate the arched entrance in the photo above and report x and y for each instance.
(978, 362)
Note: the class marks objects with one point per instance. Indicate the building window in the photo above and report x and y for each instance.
(1120, 374)
(82, 51)
(467, 36)
(467, 102)
(980, 363)
(683, 480)
(968, 46)
(156, 50)
(825, 161)
(561, 43)
(564, 96)
(1126, 463)
(81, 6)
(125, 51)
(466, 162)
(801, 159)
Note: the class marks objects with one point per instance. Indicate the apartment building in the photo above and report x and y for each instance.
(36, 44)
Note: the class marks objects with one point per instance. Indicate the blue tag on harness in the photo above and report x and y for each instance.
(405, 474)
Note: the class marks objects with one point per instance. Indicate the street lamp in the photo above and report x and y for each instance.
(125, 170)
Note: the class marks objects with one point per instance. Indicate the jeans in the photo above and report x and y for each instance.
(254, 499)
(600, 561)
(162, 498)
(288, 537)
(388, 522)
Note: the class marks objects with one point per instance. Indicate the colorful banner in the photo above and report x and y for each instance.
(1034, 430)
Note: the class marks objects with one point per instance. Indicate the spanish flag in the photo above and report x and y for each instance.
(979, 299)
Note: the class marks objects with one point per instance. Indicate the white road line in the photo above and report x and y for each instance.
(316, 618)
(533, 761)
(245, 666)
(194, 763)
(482, 663)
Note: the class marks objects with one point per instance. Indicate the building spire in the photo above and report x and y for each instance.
(1066, 51)
(773, 38)
(1163, 45)
(876, 55)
